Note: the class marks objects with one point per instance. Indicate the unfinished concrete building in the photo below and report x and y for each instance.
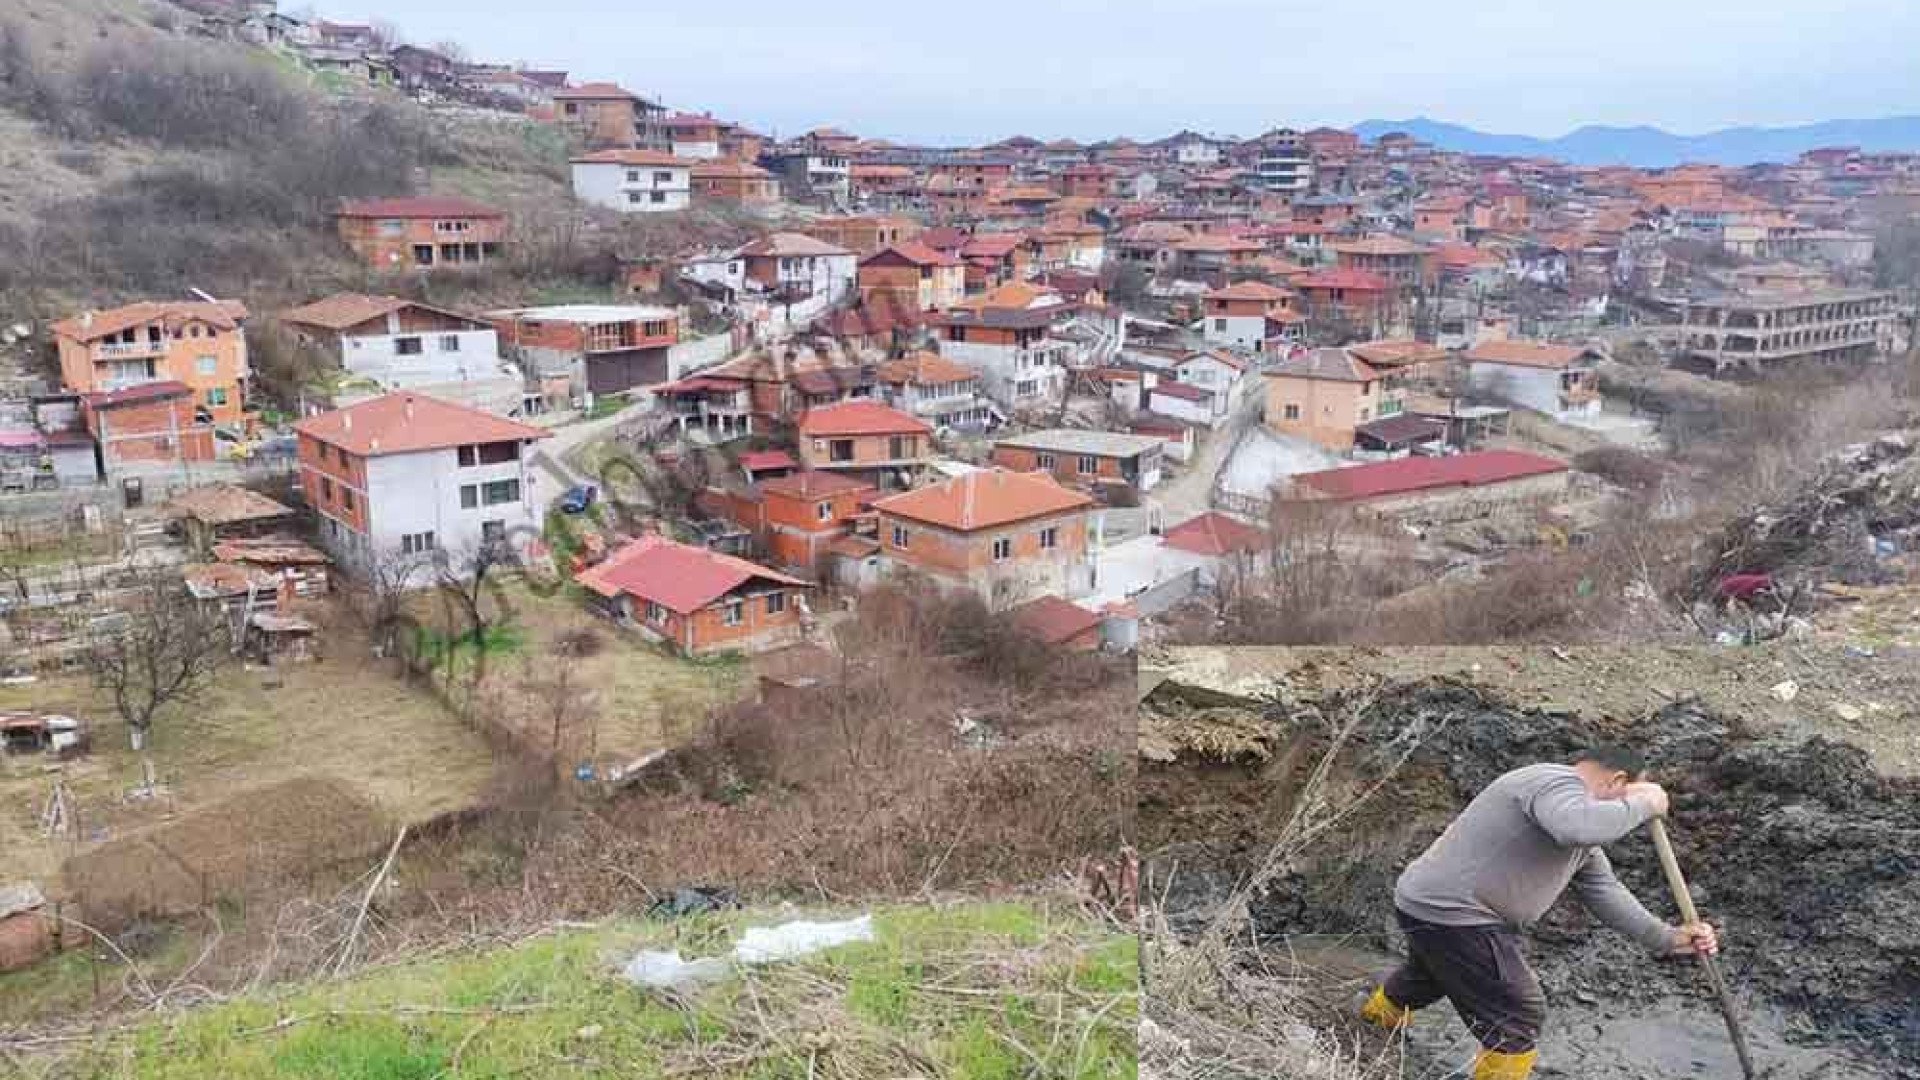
(1759, 329)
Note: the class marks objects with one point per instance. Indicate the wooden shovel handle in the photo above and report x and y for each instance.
(1683, 899)
(1671, 866)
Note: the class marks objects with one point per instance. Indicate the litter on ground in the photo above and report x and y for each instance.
(758, 945)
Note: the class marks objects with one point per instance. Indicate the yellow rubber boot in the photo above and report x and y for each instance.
(1381, 1012)
(1494, 1065)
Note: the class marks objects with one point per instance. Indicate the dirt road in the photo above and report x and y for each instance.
(1191, 492)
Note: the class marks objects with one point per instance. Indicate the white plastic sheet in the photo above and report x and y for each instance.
(759, 945)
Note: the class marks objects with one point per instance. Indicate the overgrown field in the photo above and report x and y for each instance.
(971, 991)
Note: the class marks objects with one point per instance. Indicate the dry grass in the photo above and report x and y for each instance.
(339, 717)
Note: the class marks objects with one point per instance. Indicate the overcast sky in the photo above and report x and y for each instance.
(979, 70)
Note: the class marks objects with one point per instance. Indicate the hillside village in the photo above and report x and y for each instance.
(817, 405)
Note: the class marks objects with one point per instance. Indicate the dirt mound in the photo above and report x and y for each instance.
(1806, 855)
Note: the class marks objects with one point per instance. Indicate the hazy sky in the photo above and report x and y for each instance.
(977, 70)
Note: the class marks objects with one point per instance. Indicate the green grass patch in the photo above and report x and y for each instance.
(985, 992)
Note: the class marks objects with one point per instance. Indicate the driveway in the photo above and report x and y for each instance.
(1191, 492)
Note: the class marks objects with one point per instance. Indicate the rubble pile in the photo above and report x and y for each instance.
(1851, 523)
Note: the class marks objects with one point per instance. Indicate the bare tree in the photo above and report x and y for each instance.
(564, 704)
(378, 595)
(166, 653)
(462, 581)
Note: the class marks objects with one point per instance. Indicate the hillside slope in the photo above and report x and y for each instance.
(977, 991)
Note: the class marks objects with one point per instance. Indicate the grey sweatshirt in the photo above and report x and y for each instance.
(1516, 848)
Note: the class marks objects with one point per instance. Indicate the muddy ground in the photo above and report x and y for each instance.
(1805, 852)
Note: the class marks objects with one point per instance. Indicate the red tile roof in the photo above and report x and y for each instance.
(421, 206)
(223, 314)
(985, 499)
(345, 310)
(679, 577)
(1329, 365)
(1352, 280)
(1533, 354)
(763, 460)
(594, 91)
(633, 157)
(405, 423)
(860, 418)
(812, 484)
(1214, 534)
(1409, 474)
(1052, 620)
(153, 391)
(914, 252)
(1250, 290)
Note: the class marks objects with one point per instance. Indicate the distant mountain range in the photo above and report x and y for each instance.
(1650, 147)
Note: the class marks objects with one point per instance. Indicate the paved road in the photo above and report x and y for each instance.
(1191, 492)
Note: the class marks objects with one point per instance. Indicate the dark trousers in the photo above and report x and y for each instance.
(1480, 970)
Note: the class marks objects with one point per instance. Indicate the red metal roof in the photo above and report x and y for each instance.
(153, 391)
(679, 577)
(1408, 474)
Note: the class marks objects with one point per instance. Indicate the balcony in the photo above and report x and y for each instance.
(121, 350)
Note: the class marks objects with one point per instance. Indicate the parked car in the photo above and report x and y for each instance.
(578, 498)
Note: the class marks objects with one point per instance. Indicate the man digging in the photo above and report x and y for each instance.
(1515, 848)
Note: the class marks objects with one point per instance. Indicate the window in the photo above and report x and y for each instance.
(1049, 538)
(1044, 461)
(469, 496)
(825, 511)
(326, 490)
(656, 613)
(217, 395)
(495, 492)
(663, 178)
(901, 446)
(1003, 549)
(633, 196)
(206, 365)
(657, 196)
(776, 603)
(1089, 464)
(449, 342)
(393, 227)
(840, 450)
(901, 536)
(346, 497)
(633, 176)
(416, 543)
(734, 613)
(493, 533)
(1220, 325)
(407, 346)
(1292, 412)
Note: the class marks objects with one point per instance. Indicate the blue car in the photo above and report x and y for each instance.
(578, 498)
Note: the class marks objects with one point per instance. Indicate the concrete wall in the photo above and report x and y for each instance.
(444, 356)
(609, 185)
(1244, 331)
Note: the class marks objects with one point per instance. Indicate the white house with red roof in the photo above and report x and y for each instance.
(633, 181)
(415, 476)
(699, 601)
(1153, 573)
(1559, 380)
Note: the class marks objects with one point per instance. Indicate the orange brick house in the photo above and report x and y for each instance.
(698, 601)
(1407, 264)
(1364, 301)
(726, 180)
(1326, 396)
(913, 276)
(865, 439)
(1009, 536)
(1238, 314)
(433, 232)
(796, 518)
(201, 345)
(863, 235)
(610, 117)
(150, 424)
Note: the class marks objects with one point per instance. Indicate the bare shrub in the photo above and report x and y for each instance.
(1624, 466)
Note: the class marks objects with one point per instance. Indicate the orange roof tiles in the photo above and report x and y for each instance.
(405, 423)
(223, 314)
(860, 418)
(633, 157)
(419, 206)
(926, 369)
(986, 499)
(1533, 354)
(1214, 533)
(677, 576)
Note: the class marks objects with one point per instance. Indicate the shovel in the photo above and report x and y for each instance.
(1684, 900)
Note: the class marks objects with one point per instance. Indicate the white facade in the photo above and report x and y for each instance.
(1197, 152)
(1207, 412)
(1235, 331)
(1016, 378)
(703, 149)
(1535, 388)
(1288, 174)
(417, 504)
(405, 361)
(1227, 382)
(633, 189)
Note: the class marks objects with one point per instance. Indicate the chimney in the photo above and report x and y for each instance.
(407, 408)
(346, 421)
(86, 319)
